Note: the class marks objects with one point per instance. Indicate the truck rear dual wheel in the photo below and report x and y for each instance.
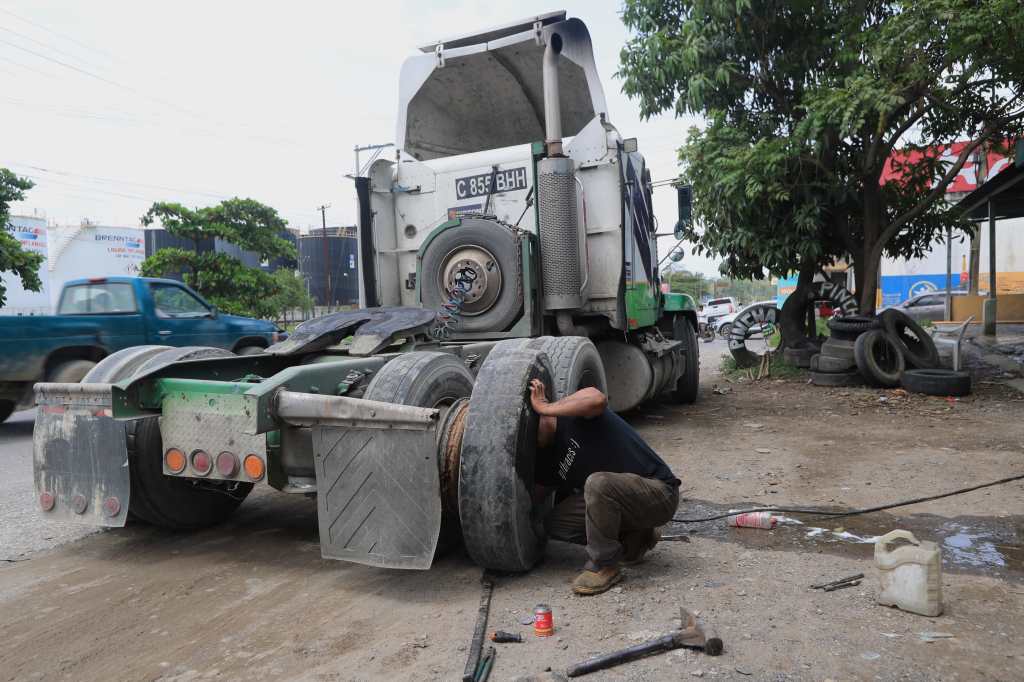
(502, 523)
(175, 503)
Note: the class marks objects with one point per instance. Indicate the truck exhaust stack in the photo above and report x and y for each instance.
(556, 190)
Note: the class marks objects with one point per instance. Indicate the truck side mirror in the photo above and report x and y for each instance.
(684, 194)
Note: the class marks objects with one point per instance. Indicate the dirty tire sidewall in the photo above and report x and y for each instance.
(501, 527)
(920, 352)
(939, 382)
(501, 242)
(575, 364)
(870, 351)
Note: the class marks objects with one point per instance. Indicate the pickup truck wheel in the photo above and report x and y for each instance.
(6, 409)
(70, 372)
(502, 526)
(249, 350)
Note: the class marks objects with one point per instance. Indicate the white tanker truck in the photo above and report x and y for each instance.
(510, 238)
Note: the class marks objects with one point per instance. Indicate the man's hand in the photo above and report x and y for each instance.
(586, 402)
(538, 397)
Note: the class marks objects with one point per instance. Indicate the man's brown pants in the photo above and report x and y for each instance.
(611, 506)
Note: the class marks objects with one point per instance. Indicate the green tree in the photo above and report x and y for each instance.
(291, 294)
(805, 101)
(13, 258)
(219, 277)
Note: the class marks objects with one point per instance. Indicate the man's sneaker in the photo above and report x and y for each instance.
(596, 582)
(636, 544)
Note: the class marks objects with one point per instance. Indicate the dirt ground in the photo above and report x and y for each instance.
(253, 599)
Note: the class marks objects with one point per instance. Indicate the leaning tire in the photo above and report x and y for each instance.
(941, 382)
(175, 503)
(574, 361)
(688, 383)
(917, 346)
(836, 379)
(501, 526)
(879, 359)
(498, 243)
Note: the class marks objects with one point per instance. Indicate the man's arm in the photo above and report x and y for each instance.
(586, 402)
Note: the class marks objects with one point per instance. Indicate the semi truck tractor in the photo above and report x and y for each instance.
(510, 238)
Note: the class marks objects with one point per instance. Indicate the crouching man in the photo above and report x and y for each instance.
(613, 490)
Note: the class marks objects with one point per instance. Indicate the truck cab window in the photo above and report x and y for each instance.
(173, 301)
(97, 299)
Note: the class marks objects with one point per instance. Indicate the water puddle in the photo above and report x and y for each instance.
(989, 545)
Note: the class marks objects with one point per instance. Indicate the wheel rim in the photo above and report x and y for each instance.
(481, 268)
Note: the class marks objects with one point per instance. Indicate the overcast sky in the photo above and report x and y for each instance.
(110, 105)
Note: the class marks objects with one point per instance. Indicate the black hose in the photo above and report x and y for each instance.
(854, 512)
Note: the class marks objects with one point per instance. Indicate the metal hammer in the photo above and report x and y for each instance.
(693, 636)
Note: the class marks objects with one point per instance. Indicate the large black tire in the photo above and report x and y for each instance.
(837, 379)
(879, 359)
(941, 382)
(424, 379)
(498, 240)
(688, 383)
(849, 328)
(175, 503)
(70, 371)
(6, 410)
(574, 361)
(917, 346)
(502, 527)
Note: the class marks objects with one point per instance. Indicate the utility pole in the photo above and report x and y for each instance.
(329, 290)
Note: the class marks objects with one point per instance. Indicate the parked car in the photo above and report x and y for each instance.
(717, 307)
(930, 306)
(96, 317)
(722, 324)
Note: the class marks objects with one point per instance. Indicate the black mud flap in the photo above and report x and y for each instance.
(80, 457)
(379, 499)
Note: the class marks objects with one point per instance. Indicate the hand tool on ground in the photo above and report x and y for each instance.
(502, 637)
(483, 671)
(694, 635)
(487, 588)
(849, 581)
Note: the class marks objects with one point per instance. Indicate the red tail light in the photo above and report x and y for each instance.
(202, 463)
(227, 464)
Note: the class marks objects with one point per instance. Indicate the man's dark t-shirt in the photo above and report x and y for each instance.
(583, 446)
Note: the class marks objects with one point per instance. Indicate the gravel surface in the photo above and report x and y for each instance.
(252, 599)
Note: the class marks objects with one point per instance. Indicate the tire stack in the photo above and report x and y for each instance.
(885, 351)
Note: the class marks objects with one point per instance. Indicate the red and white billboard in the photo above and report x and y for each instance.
(967, 180)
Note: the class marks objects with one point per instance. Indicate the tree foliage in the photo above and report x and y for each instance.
(805, 100)
(220, 277)
(13, 258)
(292, 293)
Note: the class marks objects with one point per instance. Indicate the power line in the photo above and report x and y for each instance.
(42, 44)
(97, 178)
(56, 33)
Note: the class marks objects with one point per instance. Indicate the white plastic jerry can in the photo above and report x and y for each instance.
(911, 575)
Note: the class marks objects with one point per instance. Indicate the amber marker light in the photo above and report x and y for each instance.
(254, 467)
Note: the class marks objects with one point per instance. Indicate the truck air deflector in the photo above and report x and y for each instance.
(470, 97)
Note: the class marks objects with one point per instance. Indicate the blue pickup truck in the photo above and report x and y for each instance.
(96, 317)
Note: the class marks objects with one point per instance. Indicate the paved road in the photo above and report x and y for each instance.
(24, 530)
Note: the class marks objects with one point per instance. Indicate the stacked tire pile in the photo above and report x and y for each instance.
(886, 351)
